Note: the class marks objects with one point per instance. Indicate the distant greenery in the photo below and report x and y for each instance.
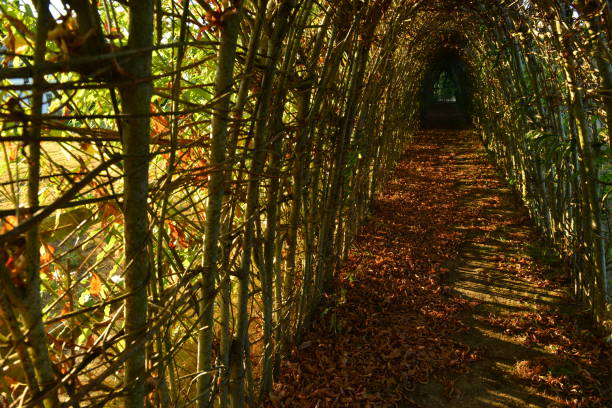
(445, 88)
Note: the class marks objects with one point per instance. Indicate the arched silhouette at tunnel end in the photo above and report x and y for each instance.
(446, 93)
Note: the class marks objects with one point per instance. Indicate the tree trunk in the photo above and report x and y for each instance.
(31, 311)
(135, 100)
(216, 189)
(252, 211)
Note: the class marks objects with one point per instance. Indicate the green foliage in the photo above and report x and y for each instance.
(445, 89)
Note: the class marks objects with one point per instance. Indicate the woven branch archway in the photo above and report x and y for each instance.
(182, 178)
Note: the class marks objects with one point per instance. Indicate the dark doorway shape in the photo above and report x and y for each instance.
(446, 92)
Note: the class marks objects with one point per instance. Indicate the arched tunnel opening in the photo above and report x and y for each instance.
(446, 95)
(207, 203)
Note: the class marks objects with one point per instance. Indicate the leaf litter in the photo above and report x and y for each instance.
(391, 321)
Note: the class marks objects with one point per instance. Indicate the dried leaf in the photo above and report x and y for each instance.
(95, 285)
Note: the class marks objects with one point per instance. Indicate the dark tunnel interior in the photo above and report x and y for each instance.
(446, 93)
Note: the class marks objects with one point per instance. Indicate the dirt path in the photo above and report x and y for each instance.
(447, 300)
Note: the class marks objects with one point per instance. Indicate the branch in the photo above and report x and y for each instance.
(63, 200)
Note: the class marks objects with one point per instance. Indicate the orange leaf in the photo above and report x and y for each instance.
(66, 309)
(8, 223)
(95, 285)
(46, 253)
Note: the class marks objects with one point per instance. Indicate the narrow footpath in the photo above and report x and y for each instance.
(448, 299)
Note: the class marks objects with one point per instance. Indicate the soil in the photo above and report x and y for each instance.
(449, 298)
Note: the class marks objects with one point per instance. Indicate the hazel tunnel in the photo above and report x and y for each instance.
(182, 182)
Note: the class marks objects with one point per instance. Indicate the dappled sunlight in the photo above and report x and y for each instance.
(427, 302)
(310, 203)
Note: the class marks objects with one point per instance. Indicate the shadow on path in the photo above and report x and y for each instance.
(447, 300)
